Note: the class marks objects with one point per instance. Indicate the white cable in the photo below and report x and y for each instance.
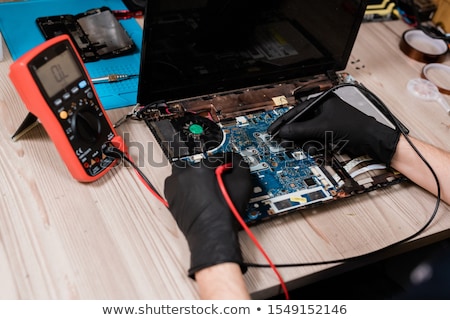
(366, 169)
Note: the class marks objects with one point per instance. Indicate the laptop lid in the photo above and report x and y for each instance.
(193, 48)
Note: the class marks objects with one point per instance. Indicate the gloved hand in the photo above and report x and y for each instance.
(361, 134)
(200, 210)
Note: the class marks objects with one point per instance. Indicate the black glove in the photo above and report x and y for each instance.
(201, 212)
(361, 134)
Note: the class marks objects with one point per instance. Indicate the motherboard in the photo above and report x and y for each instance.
(286, 177)
(283, 178)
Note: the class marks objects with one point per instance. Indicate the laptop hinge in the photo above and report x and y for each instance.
(332, 75)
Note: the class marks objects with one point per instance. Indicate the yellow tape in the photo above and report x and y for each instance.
(299, 199)
(382, 12)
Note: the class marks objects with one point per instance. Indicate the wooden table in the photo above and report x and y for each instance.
(61, 239)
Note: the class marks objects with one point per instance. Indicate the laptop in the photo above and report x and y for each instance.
(215, 75)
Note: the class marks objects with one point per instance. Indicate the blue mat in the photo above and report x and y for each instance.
(21, 33)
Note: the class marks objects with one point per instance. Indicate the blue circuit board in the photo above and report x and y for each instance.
(284, 179)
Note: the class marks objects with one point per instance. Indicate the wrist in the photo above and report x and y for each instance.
(215, 254)
(216, 243)
(383, 142)
(222, 281)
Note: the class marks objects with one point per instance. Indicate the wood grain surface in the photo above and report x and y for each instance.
(110, 239)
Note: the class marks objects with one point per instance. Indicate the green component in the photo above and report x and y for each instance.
(196, 129)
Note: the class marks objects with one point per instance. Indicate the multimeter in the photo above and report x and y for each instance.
(54, 85)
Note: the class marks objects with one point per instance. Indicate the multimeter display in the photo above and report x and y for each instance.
(55, 86)
(58, 73)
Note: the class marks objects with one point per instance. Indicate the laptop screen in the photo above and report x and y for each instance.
(198, 47)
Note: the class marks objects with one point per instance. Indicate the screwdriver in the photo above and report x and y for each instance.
(113, 78)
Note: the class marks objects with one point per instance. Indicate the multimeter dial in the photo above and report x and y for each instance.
(86, 125)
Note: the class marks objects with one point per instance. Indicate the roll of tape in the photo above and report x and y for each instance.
(417, 45)
(439, 74)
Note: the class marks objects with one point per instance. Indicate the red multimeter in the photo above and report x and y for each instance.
(55, 87)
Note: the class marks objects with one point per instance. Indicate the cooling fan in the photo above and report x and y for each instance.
(187, 135)
(198, 133)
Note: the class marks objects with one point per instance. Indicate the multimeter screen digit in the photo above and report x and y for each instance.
(53, 83)
(58, 73)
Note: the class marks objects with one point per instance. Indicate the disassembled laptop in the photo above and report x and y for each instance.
(190, 98)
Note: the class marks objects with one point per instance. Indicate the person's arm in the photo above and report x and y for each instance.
(406, 161)
(202, 214)
(222, 282)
